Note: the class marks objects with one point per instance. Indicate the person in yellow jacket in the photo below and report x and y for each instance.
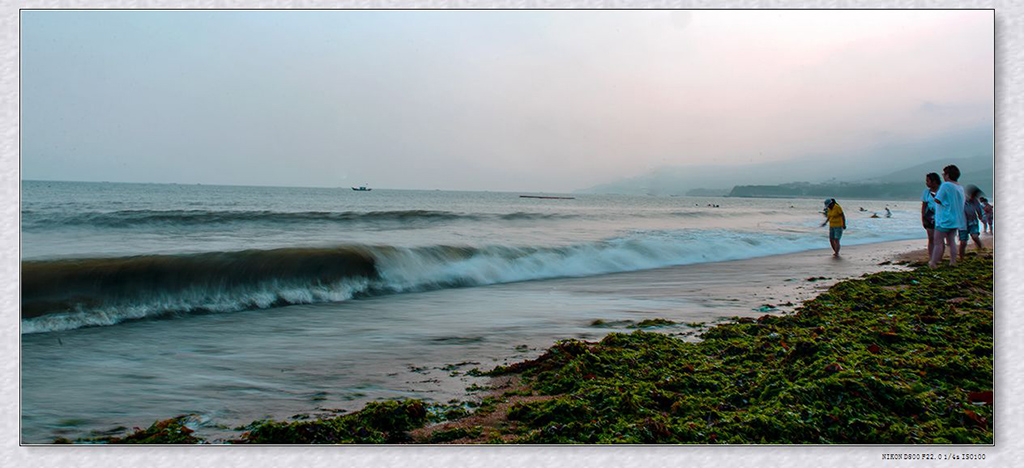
(836, 221)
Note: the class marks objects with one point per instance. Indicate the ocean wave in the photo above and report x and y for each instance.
(67, 294)
(131, 218)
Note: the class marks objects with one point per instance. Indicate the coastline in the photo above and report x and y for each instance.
(921, 255)
(425, 423)
(540, 412)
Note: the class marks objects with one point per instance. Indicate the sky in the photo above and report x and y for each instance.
(549, 101)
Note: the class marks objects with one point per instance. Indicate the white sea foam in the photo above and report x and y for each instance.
(411, 269)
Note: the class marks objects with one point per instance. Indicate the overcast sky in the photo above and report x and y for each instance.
(483, 100)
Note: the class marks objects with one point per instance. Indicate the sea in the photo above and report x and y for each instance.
(231, 304)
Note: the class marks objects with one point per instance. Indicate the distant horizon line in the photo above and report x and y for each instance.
(348, 187)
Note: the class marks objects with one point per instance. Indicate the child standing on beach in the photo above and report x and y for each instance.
(987, 219)
(836, 223)
(949, 215)
(973, 213)
(932, 181)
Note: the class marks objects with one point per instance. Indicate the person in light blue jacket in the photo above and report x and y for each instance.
(932, 180)
(949, 215)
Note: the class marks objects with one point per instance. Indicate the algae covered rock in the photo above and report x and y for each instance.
(378, 422)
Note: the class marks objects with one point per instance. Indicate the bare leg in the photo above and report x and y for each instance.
(951, 240)
(977, 241)
(962, 249)
(938, 249)
(941, 240)
(931, 241)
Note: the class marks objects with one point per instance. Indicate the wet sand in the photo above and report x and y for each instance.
(921, 255)
(743, 287)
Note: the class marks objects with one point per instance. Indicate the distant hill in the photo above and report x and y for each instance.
(975, 166)
(905, 184)
(970, 148)
(867, 191)
(703, 192)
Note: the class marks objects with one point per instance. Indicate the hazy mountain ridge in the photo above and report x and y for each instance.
(905, 184)
(972, 167)
(970, 149)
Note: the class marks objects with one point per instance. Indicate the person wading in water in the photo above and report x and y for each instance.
(836, 221)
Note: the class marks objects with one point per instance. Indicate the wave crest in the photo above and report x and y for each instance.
(67, 294)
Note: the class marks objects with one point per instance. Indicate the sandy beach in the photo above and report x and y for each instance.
(921, 255)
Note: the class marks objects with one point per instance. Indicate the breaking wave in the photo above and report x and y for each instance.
(73, 293)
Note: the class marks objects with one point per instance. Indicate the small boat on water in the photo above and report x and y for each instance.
(362, 188)
(547, 198)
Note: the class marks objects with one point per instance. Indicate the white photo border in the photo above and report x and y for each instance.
(1009, 155)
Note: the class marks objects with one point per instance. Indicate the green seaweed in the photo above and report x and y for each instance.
(891, 358)
(168, 431)
(653, 323)
(378, 422)
(454, 410)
